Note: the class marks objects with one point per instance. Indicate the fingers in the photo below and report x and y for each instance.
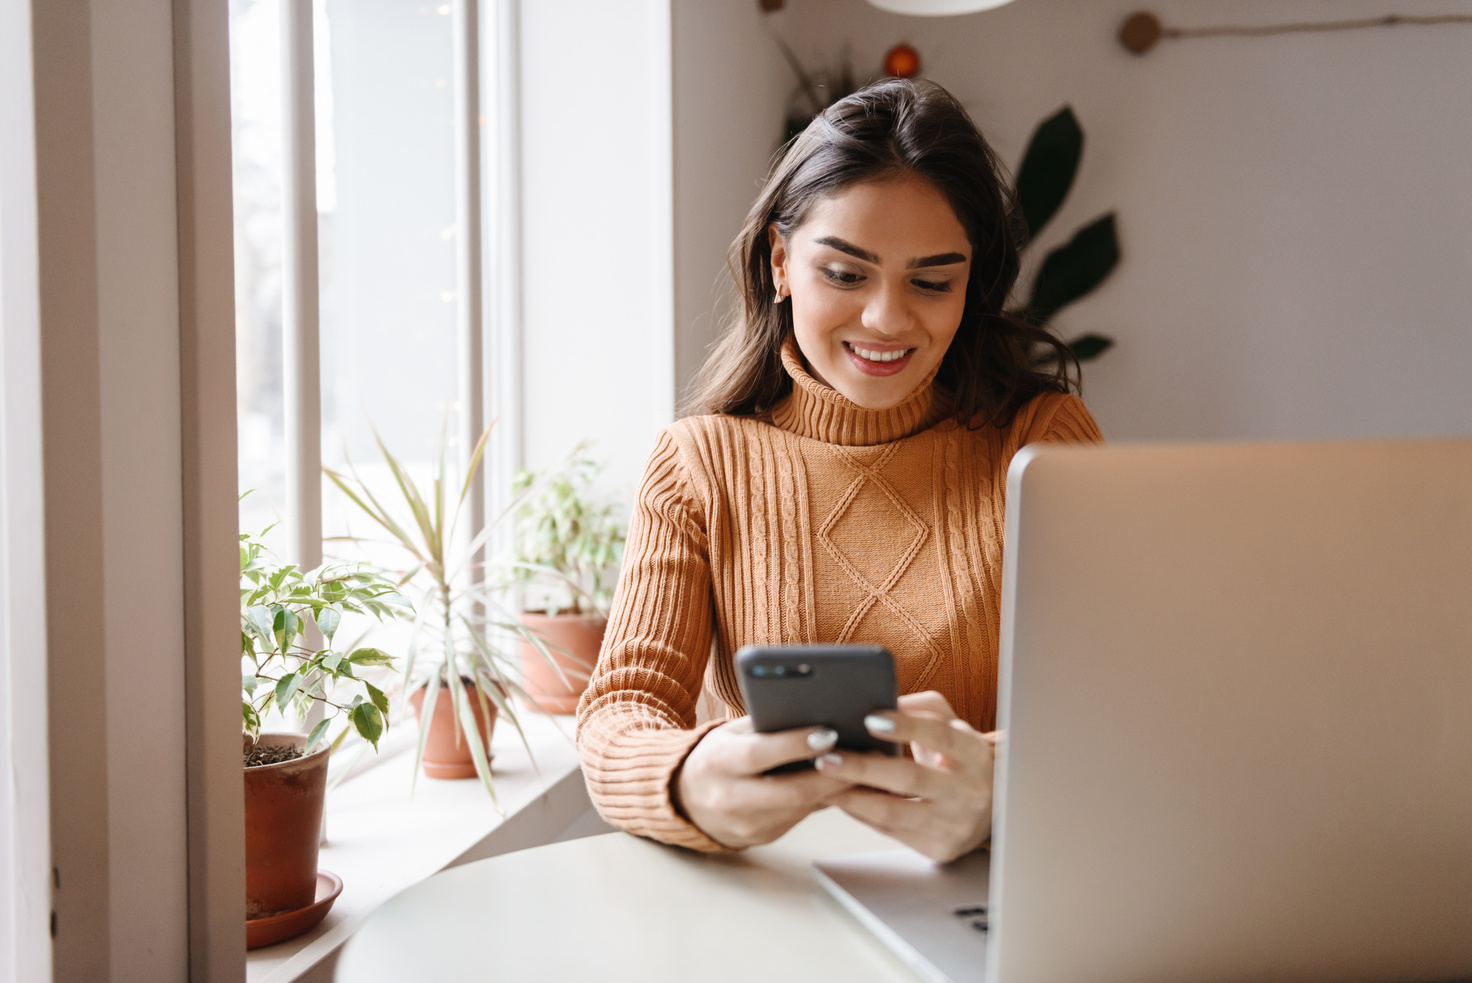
(927, 702)
(758, 753)
(752, 753)
(721, 789)
(899, 776)
(887, 813)
(941, 835)
(953, 737)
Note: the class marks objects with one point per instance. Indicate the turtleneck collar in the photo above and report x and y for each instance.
(813, 410)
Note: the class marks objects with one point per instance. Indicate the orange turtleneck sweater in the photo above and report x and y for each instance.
(820, 521)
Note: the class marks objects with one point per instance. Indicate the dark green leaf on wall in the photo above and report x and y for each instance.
(1048, 168)
(1090, 346)
(1074, 269)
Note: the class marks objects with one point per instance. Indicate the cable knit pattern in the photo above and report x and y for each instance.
(820, 522)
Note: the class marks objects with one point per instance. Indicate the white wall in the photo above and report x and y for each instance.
(596, 335)
(1294, 212)
(730, 84)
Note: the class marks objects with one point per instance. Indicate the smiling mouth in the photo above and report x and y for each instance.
(875, 356)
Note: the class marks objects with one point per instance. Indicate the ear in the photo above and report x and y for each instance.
(778, 248)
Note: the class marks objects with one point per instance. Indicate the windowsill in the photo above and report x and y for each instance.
(381, 841)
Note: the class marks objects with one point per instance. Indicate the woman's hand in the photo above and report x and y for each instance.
(721, 789)
(940, 803)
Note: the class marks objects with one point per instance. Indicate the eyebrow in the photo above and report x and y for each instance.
(844, 246)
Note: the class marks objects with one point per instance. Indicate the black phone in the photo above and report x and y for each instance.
(787, 686)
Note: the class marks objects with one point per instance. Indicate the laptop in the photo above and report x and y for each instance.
(1236, 693)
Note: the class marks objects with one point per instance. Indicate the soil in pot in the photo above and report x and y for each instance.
(573, 641)
(283, 824)
(447, 752)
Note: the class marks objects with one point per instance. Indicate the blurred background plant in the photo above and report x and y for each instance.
(568, 544)
(1075, 269)
(286, 669)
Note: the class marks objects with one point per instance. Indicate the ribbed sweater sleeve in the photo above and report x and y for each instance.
(636, 722)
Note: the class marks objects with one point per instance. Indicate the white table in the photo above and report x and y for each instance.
(380, 839)
(616, 907)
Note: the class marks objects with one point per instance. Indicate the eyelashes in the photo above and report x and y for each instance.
(845, 278)
(841, 277)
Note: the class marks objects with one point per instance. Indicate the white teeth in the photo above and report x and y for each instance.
(879, 356)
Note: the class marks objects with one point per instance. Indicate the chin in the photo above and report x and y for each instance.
(877, 397)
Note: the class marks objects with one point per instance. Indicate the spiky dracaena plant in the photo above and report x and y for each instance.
(459, 618)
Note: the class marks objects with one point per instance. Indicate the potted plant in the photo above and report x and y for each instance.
(288, 620)
(568, 549)
(458, 678)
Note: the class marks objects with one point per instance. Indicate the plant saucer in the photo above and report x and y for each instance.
(289, 924)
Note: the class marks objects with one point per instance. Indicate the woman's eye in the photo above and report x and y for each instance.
(933, 286)
(842, 277)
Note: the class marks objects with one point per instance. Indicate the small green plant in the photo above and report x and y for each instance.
(459, 618)
(287, 672)
(565, 540)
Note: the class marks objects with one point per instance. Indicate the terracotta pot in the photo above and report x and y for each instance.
(573, 641)
(447, 752)
(283, 826)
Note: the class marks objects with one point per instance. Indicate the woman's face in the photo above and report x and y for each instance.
(877, 275)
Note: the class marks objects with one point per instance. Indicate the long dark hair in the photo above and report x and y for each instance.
(997, 362)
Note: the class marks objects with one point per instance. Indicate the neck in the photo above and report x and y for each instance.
(818, 412)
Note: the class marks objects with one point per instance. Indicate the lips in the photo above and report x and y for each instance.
(877, 361)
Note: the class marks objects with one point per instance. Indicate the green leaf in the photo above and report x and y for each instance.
(1074, 269)
(262, 620)
(331, 661)
(368, 722)
(286, 688)
(316, 735)
(370, 657)
(293, 626)
(1090, 346)
(379, 699)
(1048, 168)
(248, 683)
(252, 720)
(327, 621)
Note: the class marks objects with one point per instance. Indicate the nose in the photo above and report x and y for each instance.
(888, 311)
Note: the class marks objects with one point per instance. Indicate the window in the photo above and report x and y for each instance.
(386, 228)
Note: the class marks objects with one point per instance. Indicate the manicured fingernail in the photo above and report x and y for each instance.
(829, 760)
(822, 740)
(878, 724)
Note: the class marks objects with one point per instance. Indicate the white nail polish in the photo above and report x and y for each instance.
(830, 760)
(822, 740)
(878, 724)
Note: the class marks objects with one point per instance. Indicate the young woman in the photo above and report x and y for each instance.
(844, 484)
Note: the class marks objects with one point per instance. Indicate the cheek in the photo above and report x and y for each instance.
(944, 319)
(818, 311)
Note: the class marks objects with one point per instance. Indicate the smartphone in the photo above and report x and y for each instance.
(787, 686)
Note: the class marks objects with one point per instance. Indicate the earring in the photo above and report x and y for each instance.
(781, 294)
